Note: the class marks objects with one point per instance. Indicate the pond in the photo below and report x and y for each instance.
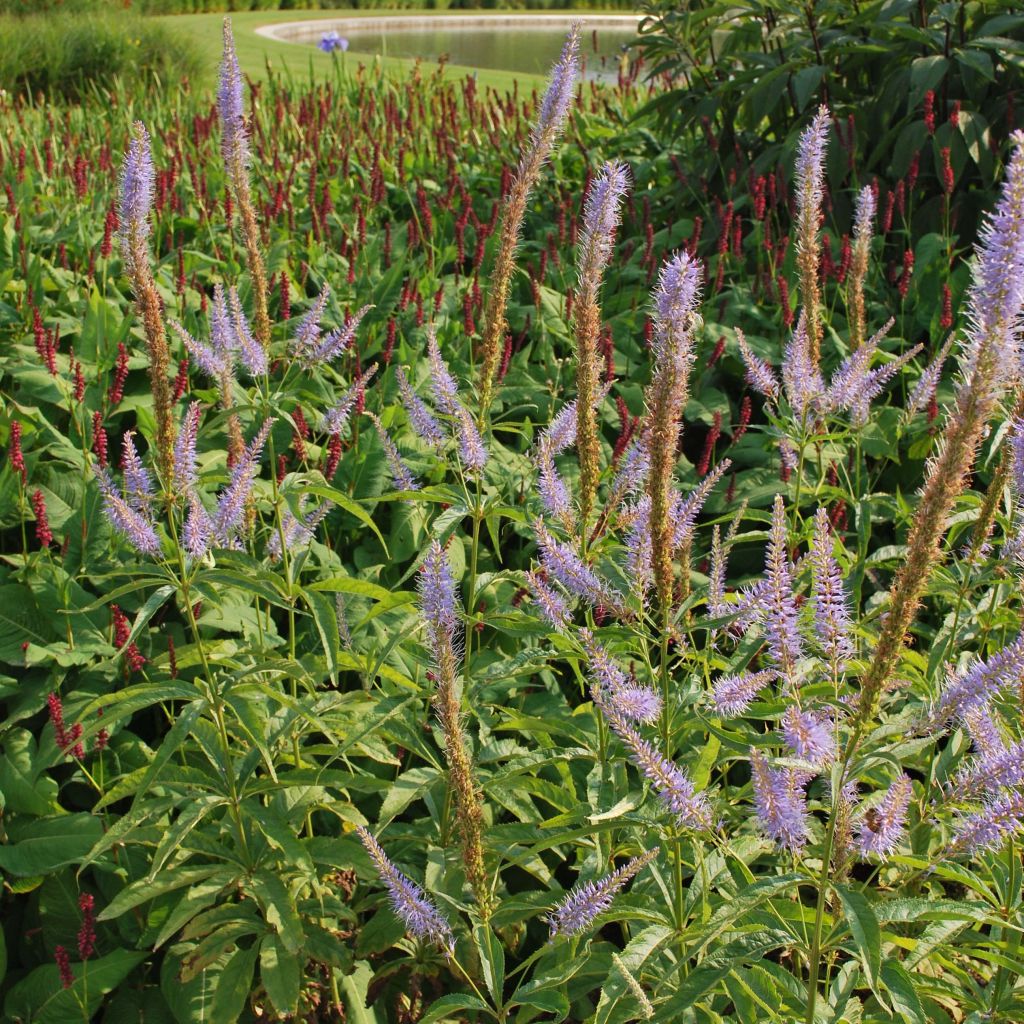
(524, 43)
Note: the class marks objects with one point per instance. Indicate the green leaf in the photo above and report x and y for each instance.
(342, 500)
(492, 961)
(354, 987)
(40, 997)
(867, 934)
(443, 1008)
(280, 974)
(234, 985)
(278, 908)
(901, 989)
(45, 844)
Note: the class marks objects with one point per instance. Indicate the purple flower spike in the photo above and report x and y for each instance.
(565, 565)
(781, 615)
(672, 784)
(554, 107)
(809, 736)
(472, 449)
(298, 533)
(307, 334)
(421, 918)
(554, 495)
(989, 827)
(732, 695)
(981, 681)
(810, 160)
(802, 379)
(438, 597)
(631, 700)
(675, 305)
(864, 214)
(781, 805)
(137, 178)
(550, 603)
(334, 420)
(232, 502)
(244, 344)
(998, 290)
(400, 472)
(337, 342)
(427, 428)
(133, 524)
(760, 375)
(601, 218)
(137, 482)
(198, 532)
(881, 830)
(561, 431)
(231, 106)
(831, 609)
(586, 902)
(186, 472)
(446, 391)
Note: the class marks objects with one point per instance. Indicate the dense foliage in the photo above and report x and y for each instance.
(295, 590)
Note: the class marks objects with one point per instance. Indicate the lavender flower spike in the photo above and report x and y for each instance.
(565, 565)
(137, 482)
(133, 524)
(400, 472)
(248, 349)
(231, 107)
(809, 736)
(987, 828)
(421, 918)
(427, 428)
(446, 391)
(831, 611)
(801, 376)
(601, 218)
(882, 829)
(781, 615)
(630, 699)
(550, 603)
(982, 681)
(779, 798)
(997, 293)
(334, 420)
(185, 470)
(586, 902)
(554, 108)
(472, 449)
(672, 784)
(198, 532)
(335, 343)
(231, 504)
(438, 597)
(760, 375)
(927, 384)
(137, 177)
(731, 695)
(297, 532)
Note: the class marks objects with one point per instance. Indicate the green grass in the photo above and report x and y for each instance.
(255, 50)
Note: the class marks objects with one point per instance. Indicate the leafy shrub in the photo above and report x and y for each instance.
(73, 54)
(322, 627)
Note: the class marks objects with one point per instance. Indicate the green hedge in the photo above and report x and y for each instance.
(80, 50)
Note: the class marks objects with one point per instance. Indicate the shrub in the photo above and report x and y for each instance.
(74, 54)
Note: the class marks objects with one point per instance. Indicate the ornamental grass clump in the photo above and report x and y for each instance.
(353, 691)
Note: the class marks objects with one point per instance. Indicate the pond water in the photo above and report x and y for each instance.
(525, 43)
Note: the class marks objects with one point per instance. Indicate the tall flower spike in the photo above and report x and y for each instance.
(831, 607)
(401, 475)
(781, 615)
(185, 448)
(982, 681)
(235, 150)
(881, 829)
(600, 220)
(673, 786)
(991, 360)
(587, 901)
(927, 384)
(675, 308)
(136, 199)
(554, 110)
(989, 827)
(442, 383)
(427, 428)
(334, 419)
(731, 695)
(137, 178)
(249, 350)
(438, 601)
(554, 495)
(550, 603)
(231, 504)
(419, 915)
(805, 388)
(760, 375)
(809, 736)
(297, 532)
(570, 570)
(810, 179)
(630, 699)
(132, 523)
(863, 228)
(137, 482)
(779, 799)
